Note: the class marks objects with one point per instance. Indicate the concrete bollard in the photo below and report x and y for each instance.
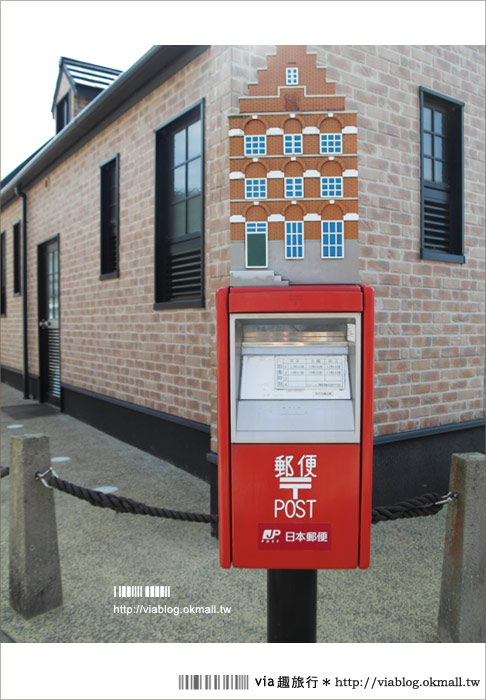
(462, 603)
(35, 572)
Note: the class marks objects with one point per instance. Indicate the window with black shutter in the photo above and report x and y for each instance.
(442, 178)
(3, 276)
(16, 259)
(62, 113)
(109, 219)
(179, 212)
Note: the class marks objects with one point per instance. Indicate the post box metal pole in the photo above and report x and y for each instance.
(291, 605)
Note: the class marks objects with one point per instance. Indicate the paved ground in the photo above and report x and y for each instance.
(395, 600)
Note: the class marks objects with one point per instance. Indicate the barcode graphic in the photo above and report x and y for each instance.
(220, 682)
(141, 591)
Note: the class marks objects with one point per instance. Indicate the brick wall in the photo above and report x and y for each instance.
(112, 340)
(429, 315)
(429, 353)
(11, 325)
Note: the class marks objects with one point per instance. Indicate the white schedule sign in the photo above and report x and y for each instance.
(295, 373)
(295, 377)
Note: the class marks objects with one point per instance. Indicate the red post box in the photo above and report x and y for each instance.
(295, 426)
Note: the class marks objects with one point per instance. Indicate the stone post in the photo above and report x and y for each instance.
(462, 601)
(35, 572)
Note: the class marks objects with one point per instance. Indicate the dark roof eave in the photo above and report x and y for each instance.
(145, 70)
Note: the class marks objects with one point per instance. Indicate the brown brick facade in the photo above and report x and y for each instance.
(429, 315)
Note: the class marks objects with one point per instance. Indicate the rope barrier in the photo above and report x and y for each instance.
(121, 504)
(428, 504)
(4, 471)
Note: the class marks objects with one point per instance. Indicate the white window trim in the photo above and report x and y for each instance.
(250, 233)
(326, 152)
(252, 195)
(290, 72)
(291, 257)
(326, 177)
(293, 195)
(250, 137)
(332, 257)
(293, 152)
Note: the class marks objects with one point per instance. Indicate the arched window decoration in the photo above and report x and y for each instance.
(255, 139)
(292, 138)
(331, 180)
(255, 182)
(293, 180)
(330, 139)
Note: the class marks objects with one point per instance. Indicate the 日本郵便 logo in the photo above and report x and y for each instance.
(270, 535)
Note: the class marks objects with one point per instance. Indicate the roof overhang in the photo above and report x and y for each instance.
(150, 71)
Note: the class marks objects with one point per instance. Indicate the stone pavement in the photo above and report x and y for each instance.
(395, 600)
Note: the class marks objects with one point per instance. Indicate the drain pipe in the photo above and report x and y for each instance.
(19, 193)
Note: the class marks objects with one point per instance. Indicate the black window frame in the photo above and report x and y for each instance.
(164, 243)
(3, 275)
(109, 241)
(16, 259)
(62, 112)
(443, 202)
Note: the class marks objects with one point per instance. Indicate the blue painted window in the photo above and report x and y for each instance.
(256, 188)
(332, 239)
(294, 239)
(294, 187)
(292, 76)
(255, 145)
(331, 186)
(331, 143)
(292, 144)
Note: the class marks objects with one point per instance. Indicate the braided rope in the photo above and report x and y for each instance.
(4, 471)
(413, 508)
(427, 504)
(121, 504)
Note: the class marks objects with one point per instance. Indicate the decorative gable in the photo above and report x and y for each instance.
(293, 169)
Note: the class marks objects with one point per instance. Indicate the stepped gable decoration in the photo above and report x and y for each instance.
(293, 178)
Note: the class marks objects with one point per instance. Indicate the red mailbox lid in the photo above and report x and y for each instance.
(298, 298)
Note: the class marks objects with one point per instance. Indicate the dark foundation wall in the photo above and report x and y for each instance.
(418, 462)
(182, 442)
(15, 378)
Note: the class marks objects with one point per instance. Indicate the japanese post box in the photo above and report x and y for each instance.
(295, 436)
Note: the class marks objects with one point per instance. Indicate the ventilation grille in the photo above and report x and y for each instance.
(184, 275)
(436, 226)
(53, 363)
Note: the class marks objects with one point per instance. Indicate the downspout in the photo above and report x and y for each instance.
(19, 193)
